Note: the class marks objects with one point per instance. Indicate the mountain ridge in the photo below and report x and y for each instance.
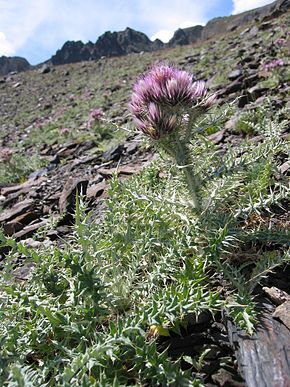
(130, 41)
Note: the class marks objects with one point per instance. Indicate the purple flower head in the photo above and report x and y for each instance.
(96, 113)
(162, 95)
(280, 42)
(273, 64)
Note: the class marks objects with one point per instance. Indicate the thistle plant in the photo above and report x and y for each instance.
(165, 103)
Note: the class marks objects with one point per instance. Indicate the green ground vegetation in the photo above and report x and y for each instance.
(93, 309)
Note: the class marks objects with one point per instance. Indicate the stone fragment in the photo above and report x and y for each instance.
(22, 188)
(16, 85)
(284, 167)
(18, 209)
(244, 31)
(32, 243)
(257, 91)
(29, 230)
(251, 80)
(233, 87)
(67, 149)
(132, 147)
(113, 154)
(265, 26)
(97, 190)
(67, 198)
(282, 313)
(40, 172)
(45, 69)
(277, 296)
(217, 137)
(19, 222)
(234, 74)
(231, 123)
(224, 378)
(23, 272)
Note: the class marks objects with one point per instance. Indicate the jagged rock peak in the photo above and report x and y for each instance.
(108, 44)
(185, 36)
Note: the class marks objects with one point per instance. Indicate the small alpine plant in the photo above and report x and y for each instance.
(165, 103)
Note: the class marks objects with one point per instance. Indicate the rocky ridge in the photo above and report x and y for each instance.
(109, 44)
(130, 41)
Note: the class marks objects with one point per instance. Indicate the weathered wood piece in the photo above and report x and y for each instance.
(264, 357)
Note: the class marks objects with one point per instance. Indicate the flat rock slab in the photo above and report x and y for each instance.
(264, 357)
(19, 222)
(29, 230)
(67, 198)
(22, 188)
(17, 210)
(121, 170)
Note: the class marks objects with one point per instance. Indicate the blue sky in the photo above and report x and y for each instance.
(35, 29)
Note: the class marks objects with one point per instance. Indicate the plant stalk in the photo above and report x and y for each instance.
(183, 161)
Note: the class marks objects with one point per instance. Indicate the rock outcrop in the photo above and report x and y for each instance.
(14, 63)
(185, 36)
(72, 52)
(109, 44)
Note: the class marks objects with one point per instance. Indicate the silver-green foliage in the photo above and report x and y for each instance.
(85, 314)
(84, 317)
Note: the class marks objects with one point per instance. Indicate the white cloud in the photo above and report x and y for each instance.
(187, 24)
(166, 35)
(245, 5)
(19, 19)
(5, 47)
(163, 35)
(175, 15)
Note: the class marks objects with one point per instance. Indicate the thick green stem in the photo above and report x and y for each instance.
(183, 161)
(192, 187)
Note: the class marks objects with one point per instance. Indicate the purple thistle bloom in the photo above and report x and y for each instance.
(162, 95)
(273, 64)
(280, 42)
(96, 113)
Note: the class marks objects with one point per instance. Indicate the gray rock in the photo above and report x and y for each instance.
(282, 313)
(45, 69)
(234, 74)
